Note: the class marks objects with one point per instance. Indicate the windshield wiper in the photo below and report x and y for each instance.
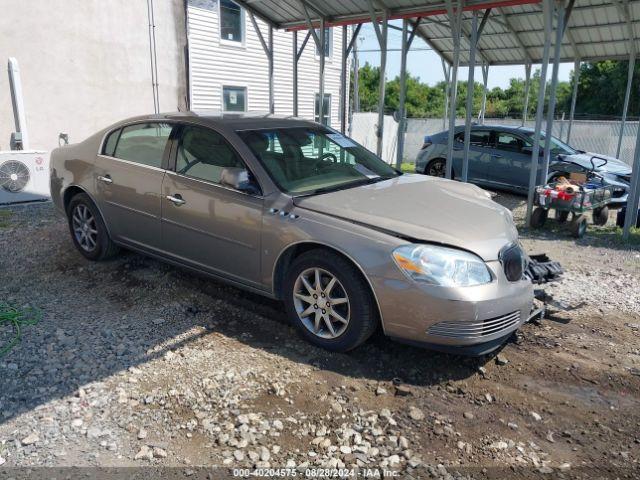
(344, 186)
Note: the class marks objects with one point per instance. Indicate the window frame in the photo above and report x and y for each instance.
(176, 136)
(164, 163)
(243, 29)
(246, 98)
(492, 139)
(316, 95)
(497, 134)
(329, 55)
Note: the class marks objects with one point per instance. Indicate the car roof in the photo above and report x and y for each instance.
(235, 121)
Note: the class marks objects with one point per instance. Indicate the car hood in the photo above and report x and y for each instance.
(613, 165)
(424, 208)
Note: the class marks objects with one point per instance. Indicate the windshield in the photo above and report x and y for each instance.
(309, 160)
(558, 147)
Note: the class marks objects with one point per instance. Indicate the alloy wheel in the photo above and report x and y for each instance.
(322, 303)
(84, 227)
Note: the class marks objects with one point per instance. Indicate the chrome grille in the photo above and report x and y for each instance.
(456, 329)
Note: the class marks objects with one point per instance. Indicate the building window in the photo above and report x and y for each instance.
(326, 111)
(234, 99)
(328, 44)
(231, 22)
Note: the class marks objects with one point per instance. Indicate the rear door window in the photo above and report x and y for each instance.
(478, 138)
(143, 143)
(110, 144)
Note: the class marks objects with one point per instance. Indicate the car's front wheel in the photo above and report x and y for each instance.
(88, 231)
(329, 301)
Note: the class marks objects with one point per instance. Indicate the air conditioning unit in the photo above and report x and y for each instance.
(24, 176)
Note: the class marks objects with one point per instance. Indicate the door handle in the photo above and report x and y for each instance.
(176, 200)
(105, 179)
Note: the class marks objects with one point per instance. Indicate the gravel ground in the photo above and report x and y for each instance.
(138, 364)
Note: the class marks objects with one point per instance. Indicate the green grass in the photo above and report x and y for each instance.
(5, 216)
(408, 167)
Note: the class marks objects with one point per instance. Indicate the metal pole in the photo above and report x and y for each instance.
(454, 21)
(403, 87)
(343, 81)
(634, 192)
(446, 69)
(295, 73)
(356, 79)
(321, 75)
(552, 93)
(627, 96)
(527, 83)
(533, 173)
(485, 79)
(272, 105)
(381, 91)
(574, 95)
(470, 91)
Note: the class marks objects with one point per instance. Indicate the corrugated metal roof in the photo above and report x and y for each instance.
(513, 34)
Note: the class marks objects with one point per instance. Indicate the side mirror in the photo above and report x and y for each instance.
(238, 179)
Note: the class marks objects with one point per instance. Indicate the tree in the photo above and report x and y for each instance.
(600, 92)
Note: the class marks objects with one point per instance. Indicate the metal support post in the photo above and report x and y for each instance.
(296, 59)
(446, 69)
(485, 79)
(574, 96)
(268, 50)
(470, 91)
(455, 20)
(381, 33)
(527, 84)
(407, 40)
(344, 90)
(554, 85)
(547, 8)
(634, 192)
(624, 10)
(321, 73)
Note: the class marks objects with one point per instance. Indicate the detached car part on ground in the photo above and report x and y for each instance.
(296, 211)
(500, 158)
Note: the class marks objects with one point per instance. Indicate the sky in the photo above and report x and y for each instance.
(425, 63)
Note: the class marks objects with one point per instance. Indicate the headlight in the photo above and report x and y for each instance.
(442, 266)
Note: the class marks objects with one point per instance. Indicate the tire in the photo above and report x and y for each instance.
(579, 226)
(436, 168)
(96, 244)
(539, 217)
(326, 331)
(561, 216)
(601, 216)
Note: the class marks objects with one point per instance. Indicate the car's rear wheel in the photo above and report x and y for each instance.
(329, 302)
(88, 231)
(436, 168)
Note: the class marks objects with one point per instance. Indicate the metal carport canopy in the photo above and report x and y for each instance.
(514, 33)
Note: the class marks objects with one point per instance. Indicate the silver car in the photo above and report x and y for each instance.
(500, 157)
(296, 211)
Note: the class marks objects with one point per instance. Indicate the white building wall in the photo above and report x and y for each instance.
(214, 64)
(85, 64)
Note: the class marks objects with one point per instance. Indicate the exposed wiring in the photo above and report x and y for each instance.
(16, 318)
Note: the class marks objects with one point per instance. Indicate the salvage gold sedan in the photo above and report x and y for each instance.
(298, 212)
